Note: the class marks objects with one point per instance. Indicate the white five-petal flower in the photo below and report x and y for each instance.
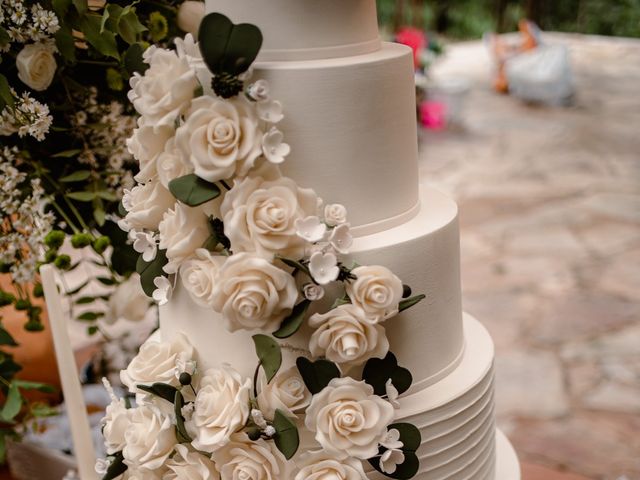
(392, 394)
(273, 147)
(146, 244)
(390, 460)
(310, 228)
(391, 439)
(163, 290)
(270, 111)
(324, 267)
(341, 238)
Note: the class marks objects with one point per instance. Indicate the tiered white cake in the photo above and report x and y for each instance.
(350, 121)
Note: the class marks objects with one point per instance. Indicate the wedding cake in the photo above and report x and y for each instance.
(344, 102)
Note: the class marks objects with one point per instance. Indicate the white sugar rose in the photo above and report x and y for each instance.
(189, 16)
(335, 214)
(146, 144)
(260, 216)
(252, 293)
(243, 459)
(183, 230)
(286, 392)
(114, 425)
(187, 465)
(220, 138)
(344, 335)
(156, 362)
(321, 466)
(36, 65)
(165, 89)
(348, 419)
(149, 438)
(376, 290)
(198, 275)
(171, 164)
(147, 205)
(128, 302)
(221, 408)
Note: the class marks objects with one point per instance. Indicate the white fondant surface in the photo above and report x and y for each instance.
(507, 465)
(307, 29)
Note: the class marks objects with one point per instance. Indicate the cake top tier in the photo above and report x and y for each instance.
(307, 29)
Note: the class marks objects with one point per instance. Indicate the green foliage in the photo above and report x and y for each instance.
(150, 270)
(161, 390)
(292, 323)
(54, 239)
(269, 354)
(286, 438)
(193, 190)
(181, 431)
(410, 302)
(377, 371)
(317, 375)
(411, 439)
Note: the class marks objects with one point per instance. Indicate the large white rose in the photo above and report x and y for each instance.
(156, 362)
(114, 425)
(128, 302)
(198, 275)
(165, 89)
(36, 65)
(145, 144)
(221, 138)
(221, 408)
(171, 164)
(260, 215)
(243, 459)
(149, 438)
(147, 203)
(188, 465)
(348, 419)
(376, 290)
(183, 230)
(344, 335)
(321, 466)
(286, 392)
(251, 293)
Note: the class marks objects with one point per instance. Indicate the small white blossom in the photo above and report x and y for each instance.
(259, 91)
(391, 439)
(341, 238)
(185, 365)
(310, 228)
(146, 244)
(312, 291)
(270, 111)
(102, 465)
(390, 460)
(324, 267)
(392, 394)
(163, 290)
(273, 147)
(269, 431)
(258, 418)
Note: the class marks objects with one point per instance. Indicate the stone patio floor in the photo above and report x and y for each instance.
(550, 210)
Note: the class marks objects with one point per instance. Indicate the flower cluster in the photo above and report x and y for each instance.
(27, 117)
(26, 24)
(212, 210)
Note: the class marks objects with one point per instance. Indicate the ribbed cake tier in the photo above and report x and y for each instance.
(427, 339)
(307, 29)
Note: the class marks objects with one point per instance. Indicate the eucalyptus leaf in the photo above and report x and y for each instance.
(150, 270)
(77, 176)
(181, 432)
(193, 190)
(409, 436)
(410, 302)
(6, 338)
(377, 371)
(67, 153)
(268, 351)
(12, 404)
(317, 375)
(6, 98)
(292, 323)
(41, 387)
(286, 438)
(81, 196)
(162, 390)
(90, 316)
(294, 264)
(133, 61)
(406, 470)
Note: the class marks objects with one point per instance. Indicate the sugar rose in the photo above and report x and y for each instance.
(165, 89)
(171, 164)
(188, 465)
(252, 293)
(322, 466)
(376, 290)
(149, 438)
(156, 362)
(243, 459)
(345, 336)
(286, 392)
(260, 216)
(198, 275)
(114, 425)
(36, 65)
(145, 144)
(183, 230)
(146, 204)
(348, 419)
(220, 138)
(221, 408)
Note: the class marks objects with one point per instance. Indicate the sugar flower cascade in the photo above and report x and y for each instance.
(212, 210)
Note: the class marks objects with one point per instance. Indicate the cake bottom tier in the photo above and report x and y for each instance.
(456, 419)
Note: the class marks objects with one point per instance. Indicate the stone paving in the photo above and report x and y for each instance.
(550, 214)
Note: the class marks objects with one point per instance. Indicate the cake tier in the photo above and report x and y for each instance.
(427, 338)
(352, 129)
(307, 29)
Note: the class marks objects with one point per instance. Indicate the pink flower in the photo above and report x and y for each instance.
(414, 38)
